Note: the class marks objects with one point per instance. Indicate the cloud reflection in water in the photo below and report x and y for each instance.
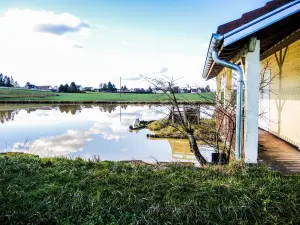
(85, 131)
(106, 123)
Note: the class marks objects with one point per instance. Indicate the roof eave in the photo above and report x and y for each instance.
(246, 30)
(216, 40)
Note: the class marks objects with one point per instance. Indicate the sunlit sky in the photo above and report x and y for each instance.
(49, 42)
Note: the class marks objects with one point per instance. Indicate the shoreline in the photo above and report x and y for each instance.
(102, 102)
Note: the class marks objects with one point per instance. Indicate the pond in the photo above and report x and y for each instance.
(89, 131)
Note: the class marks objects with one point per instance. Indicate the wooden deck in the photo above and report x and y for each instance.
(279, 154)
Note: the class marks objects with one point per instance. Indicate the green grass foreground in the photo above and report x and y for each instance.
(62, 191)
(25, 95)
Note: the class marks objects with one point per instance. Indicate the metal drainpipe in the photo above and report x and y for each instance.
(217, 38)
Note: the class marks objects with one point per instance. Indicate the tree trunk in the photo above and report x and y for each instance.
(195, 149)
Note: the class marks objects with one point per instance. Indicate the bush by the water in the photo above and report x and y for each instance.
(205, 129)
(62, 191)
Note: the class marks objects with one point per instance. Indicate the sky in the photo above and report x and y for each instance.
(52, 42)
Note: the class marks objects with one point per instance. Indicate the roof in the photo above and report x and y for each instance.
(270, 24)
(252, 15)
(45, 86)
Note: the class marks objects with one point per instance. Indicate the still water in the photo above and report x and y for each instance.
(89, 132)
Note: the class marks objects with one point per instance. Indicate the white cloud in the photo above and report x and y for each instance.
(20, 21)
(99, 26)
(36, 45)
(137, 77)
(78, 45)
(67, 47)
(123, 42)
(163, 69)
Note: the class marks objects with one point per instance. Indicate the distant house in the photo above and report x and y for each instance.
(30, 86)
(44, 88)
(79, 87)
(195, 90)
(88, 88)
(183, 90)
(157, 91)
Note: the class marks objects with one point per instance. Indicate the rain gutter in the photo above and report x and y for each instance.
(217, 40)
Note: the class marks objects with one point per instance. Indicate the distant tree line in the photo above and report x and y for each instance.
(142, 90)
(109, 87)
(206, 89)
(124, 88)
(72, 88)
(7, 81)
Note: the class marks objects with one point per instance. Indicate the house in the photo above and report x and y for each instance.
(261, 49)
(44, 87)
(55, 88)
(88, 89)
(195, 90)
(30, 86)
(183, 90)
(79, 87)
(157, 91)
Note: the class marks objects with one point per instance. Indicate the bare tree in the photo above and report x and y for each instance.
(221, 134)
(168, 85)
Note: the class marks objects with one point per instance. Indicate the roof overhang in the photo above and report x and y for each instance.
(269, 29)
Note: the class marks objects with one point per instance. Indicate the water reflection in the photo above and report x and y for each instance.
(7, 115)
(73, 109)
(87, 130)
(181, 149)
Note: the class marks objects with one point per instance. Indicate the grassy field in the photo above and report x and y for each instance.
(61, 191)
(22, 94)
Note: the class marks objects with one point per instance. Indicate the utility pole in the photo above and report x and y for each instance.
(120, 87)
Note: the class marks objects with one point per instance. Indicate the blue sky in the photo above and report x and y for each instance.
(112, 38)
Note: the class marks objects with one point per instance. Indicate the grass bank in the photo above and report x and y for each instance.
(61, 191)
(33, 96)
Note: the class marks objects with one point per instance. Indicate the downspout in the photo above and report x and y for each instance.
(217, 40)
